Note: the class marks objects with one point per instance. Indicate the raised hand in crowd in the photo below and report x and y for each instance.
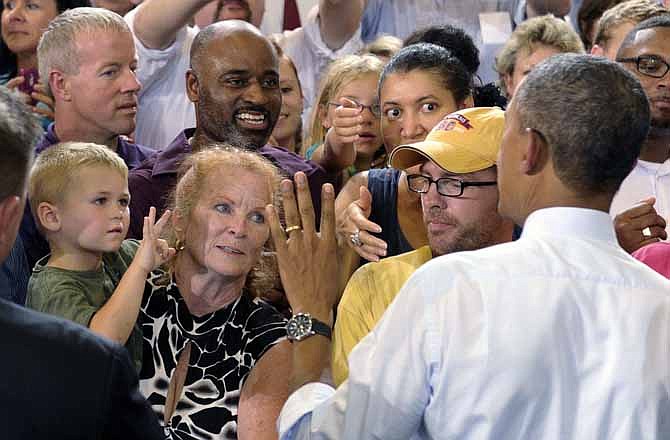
(639, 226)
(37, 96)
(153, 251)
(307, 259)
(345, 131)
(116, 319)
(354, 228)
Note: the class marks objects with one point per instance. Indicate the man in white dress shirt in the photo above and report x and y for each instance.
(645, 52)
(559, 335)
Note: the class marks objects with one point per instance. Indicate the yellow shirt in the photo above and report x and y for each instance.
(369, 292)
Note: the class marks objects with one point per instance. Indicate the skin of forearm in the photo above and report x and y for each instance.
(338, 157)
(310, 357)
(339, 19)
(158, 21)
(116, 319)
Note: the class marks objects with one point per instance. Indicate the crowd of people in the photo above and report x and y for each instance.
(393, 220)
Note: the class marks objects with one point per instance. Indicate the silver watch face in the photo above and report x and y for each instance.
(299, 327)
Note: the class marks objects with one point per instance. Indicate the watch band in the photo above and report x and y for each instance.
(321, 328)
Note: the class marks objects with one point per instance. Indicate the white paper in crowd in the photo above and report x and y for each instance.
(496, 27)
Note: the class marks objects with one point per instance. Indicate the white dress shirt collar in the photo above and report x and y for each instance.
(588, 224)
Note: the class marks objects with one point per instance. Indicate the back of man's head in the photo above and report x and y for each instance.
(57, 49)
(567, 99)
(19, 130)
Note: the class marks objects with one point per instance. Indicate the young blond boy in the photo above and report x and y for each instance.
(79, 198)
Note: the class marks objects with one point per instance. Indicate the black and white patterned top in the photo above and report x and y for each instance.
(225, 345)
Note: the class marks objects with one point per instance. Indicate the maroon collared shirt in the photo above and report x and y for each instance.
(151, 183)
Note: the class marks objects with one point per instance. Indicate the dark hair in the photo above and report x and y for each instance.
(565, 98)
(461, 45)
(452, 38)
(589, 13)
(19, 130)
(659, 21)
(437, 60)
(7, 57)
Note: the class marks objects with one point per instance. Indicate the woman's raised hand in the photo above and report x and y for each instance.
(153, 251)
(306, 258)
(356, 230)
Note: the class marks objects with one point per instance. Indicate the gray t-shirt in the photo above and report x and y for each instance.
(78, 295)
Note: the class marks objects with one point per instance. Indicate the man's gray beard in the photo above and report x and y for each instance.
(470, 238)
(231, 136)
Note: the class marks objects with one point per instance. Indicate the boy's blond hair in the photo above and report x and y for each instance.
(57, 169)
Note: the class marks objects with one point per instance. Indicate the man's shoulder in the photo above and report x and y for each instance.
(381, 281)
(289, 161)
(28, 328)
(409, 261)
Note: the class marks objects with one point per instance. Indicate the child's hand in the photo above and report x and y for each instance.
(153, 251)
(346, 125)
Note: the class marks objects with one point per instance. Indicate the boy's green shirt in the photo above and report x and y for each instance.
(78, 295)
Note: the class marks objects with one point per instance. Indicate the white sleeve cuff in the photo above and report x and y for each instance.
(301, 403)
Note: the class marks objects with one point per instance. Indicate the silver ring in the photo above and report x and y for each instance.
(646, 232)
(355, 238)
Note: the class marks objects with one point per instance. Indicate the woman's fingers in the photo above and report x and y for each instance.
(361, 222)
(305, 206)
(276, 230)
(327, 227)
(13, 83)
(367, 243)
(290, 206)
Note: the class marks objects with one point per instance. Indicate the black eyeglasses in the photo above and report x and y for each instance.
(446, 186)
(374, 108)
(649, 65)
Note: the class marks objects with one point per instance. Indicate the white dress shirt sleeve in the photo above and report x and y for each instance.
(389, 383)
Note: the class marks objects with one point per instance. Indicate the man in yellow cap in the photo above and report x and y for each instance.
(456, 178)
(559, 335)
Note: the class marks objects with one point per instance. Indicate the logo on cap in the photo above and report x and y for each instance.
(450, 121)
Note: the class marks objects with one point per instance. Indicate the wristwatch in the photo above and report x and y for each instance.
(302, 326)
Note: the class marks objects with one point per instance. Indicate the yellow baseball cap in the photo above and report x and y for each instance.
(463, 142)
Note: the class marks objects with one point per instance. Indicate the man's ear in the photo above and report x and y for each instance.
(535, 154)
(49, 217)
(11, 211)
(192, 86)
(60, 86)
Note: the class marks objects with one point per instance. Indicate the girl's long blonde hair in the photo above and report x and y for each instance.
(340, 73)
